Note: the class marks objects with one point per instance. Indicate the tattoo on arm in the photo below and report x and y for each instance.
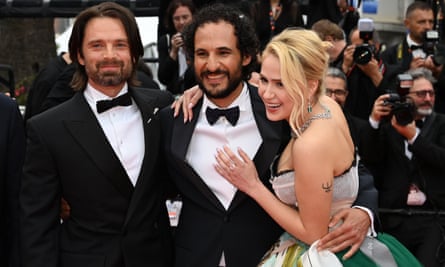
(327, 187)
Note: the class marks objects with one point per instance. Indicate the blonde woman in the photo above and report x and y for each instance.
(316, 174)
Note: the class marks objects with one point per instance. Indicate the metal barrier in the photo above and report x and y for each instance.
(409, 212)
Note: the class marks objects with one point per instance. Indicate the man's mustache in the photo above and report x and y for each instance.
(109, 62)
(217, 72)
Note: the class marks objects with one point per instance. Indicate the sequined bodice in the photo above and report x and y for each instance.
(345, 188)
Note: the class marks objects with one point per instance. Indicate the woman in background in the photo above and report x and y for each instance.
(174, 71)
(273, 16)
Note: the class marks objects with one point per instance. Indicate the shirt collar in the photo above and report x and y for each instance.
(410, 41)
(93, 95)
(241, 101)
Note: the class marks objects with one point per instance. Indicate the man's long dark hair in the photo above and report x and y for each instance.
(247, 41)
(111, 10)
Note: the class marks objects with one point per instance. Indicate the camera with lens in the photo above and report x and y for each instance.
(402, 107)
(363, 53)
(431, 46)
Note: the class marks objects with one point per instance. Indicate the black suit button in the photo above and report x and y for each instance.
(155, 225)
(226, 218)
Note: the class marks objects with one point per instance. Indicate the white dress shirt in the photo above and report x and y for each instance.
(124, 130)
(208, 138)
(416, 52)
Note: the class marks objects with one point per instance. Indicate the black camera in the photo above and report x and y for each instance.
(402, 106)
(431, 46)
(363, 53)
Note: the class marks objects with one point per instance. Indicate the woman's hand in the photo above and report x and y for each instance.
(186, 102)
(239, 171)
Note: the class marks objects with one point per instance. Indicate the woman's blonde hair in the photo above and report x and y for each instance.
(303, 57)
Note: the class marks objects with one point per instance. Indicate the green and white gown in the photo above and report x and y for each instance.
(383, 250)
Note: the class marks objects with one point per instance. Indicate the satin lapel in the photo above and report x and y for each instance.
(85, 128)
(182, 133)
(428, 125)
(273, 135)
(150, 122)
(181, 136)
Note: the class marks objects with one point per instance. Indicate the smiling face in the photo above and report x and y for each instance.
(106, 55)
(272, 91)
(218, 62)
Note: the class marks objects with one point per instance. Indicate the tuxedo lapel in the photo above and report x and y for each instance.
(150, 122)
(181, 136)
(182, 132)
(84, 127)
(273, 135)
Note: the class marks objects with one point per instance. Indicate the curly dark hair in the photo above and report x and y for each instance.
(247, 41)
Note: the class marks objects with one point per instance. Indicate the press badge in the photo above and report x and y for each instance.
(174, 210)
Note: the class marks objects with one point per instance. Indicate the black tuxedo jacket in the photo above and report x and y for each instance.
(244, 232)
(112, 222)
(397, 172)
(12, 154)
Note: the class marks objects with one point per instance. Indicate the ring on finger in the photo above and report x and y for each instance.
(232, 166)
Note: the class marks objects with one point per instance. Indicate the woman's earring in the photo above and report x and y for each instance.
(309, 106)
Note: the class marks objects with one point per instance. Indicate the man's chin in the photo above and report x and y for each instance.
(424, 111)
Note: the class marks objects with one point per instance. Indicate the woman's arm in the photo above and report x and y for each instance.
(313, 187)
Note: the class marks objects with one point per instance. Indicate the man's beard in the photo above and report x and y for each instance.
(231, 87)
(424, 111)
(110, 78)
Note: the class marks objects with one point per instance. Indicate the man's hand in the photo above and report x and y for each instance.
(372, 70)
(435, 69)
(65, 209)
(408, 131)
(350, 233)
(381, 108)
(417, 62)
(348, 59)
(186, 102)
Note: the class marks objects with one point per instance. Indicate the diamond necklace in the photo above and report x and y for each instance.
(324, 115)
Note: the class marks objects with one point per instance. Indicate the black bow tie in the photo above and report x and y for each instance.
(415, 47)
(231, 114)
(104, 105)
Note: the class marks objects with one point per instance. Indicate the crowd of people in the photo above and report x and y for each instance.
(285, 145)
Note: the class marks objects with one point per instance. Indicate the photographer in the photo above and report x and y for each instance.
(366, 72)
(418, 49)
(408, 140)
(173, 70)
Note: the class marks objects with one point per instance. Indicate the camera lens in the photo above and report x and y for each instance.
(362, 54)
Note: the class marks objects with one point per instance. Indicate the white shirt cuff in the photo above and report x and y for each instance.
(371, 230)
(374, 124)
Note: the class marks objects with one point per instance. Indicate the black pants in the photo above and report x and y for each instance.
(423, 235)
